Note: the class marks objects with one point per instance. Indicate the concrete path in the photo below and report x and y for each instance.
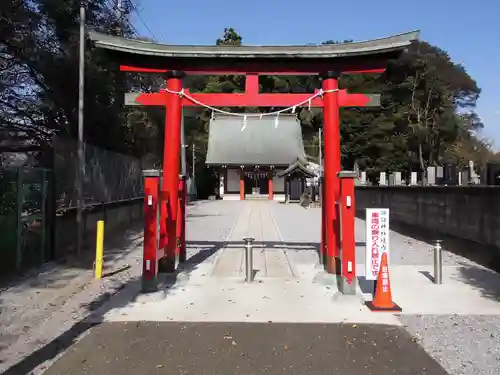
(246, 349)
(198, 313)
(269, 255)
(203, 292)
(211, 286)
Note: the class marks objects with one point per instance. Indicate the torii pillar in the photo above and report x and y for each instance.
(332, 164)
(171, 169)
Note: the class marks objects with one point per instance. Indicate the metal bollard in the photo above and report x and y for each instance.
(249, 258)
(438, 262)
(99, 250)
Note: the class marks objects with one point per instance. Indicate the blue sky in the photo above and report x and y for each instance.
(470, 31)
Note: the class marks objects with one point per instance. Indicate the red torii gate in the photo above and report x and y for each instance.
(328, 61)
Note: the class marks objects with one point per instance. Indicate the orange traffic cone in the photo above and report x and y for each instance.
(382, 300)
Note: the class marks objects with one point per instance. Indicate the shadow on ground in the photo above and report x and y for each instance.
(98, 308)
(195, 216)
(58, 273)
(487, 281)
(270, 245)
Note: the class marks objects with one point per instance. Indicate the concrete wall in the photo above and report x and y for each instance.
(472, 213)
(117, 216)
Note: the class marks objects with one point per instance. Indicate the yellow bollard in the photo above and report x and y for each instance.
(99, 250)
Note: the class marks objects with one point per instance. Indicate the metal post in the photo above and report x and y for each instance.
(249, 258)
(99, 250)
(19, 211)
(323, 244)
(320, 151)
(438, 262)
(43, 246)
(193, 166)
(320, 156)
(80, 172)
(183, 147)
(181, 220)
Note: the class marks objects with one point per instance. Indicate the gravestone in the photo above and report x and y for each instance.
(450, 175)
(463, 177)
(439, 175)
(382, 179)
(397, 179)
(362, 178)
(474, 178)
(431, 176)
(493, 174)
(356, 169)
(392, 179)
(413, 179)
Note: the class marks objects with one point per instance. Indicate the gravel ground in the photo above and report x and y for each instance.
(36, 311)
(462, 344)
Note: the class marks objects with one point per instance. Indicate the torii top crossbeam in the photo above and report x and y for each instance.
(366, 56)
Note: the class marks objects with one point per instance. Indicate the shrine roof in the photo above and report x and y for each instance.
(299, 166)
(325, 51)
(261, 142)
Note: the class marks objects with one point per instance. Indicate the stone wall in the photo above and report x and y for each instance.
(472, 213)
(117, 216)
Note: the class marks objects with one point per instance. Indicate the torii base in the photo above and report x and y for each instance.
(167, 264)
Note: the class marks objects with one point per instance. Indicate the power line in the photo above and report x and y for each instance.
(134, 8)
(115, 7)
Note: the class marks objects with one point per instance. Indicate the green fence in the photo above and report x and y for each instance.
(38, 206)
(24, 226)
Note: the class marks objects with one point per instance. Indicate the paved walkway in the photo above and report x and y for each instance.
(246, 349)
(207, 320)
(289, 286)
(269, 256)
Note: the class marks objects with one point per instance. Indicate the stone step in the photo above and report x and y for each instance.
(256, 197)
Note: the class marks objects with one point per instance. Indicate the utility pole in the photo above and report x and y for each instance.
(320, 151)
(194, 161)
(321, 174)
(183, 148)
(81, 160)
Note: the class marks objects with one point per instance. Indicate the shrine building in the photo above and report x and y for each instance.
(258, 157)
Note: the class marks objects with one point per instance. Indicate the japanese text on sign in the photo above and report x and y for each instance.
(377, 239)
